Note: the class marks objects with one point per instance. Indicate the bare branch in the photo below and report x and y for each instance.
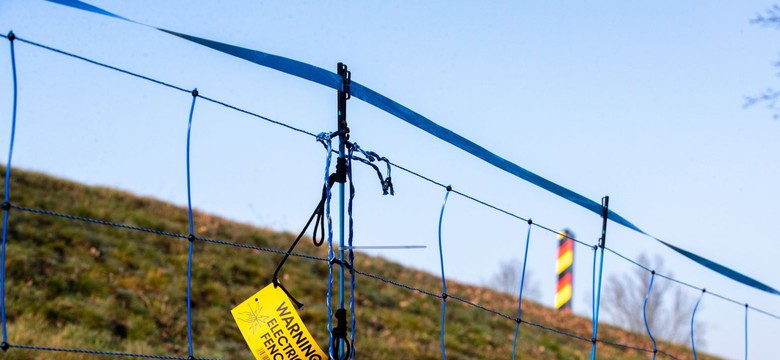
(507, 280)
(770, 18)
(668, 310)
(769, 97)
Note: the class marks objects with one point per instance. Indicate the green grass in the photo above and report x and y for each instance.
(73, 284)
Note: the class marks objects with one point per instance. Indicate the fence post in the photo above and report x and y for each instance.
(343, 131)
(564, 267)
(602, 241)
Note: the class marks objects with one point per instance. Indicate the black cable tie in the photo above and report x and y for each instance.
(704, 290)
(318, 218)
(340, 331)
(449, 187)
(746, 306)
(5, 346)
(191, 237)
(387, 186)
(191, 357)
(518, 320)
(11, 37)
(345, 131)
(295, 301)
(653, 272)
(340, 176)
(530, 222)
(593, 340)
(195, 92)
(342, 263)
(655, 351)
(6, 206)
(444, 296)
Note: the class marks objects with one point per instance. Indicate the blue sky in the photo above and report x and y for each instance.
(638, 101)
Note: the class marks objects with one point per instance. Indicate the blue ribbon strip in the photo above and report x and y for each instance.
(333, 81)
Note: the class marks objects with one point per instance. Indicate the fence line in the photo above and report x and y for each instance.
(407, 287)
(8, 205)
(342, 83)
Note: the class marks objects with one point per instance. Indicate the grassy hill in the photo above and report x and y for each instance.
(74, 284)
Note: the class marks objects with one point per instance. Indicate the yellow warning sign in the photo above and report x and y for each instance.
(272, 328)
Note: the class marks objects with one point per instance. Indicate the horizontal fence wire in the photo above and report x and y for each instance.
(162, 83)
(162, 233)
(314, 258)
(691, 286)
(108, 353)
(482, 202)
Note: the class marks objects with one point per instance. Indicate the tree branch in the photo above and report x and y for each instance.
(769, 97)
(771, 17)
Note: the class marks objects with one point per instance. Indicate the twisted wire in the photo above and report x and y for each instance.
(100, 352)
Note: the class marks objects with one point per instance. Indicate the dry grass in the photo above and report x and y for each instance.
(77, 285)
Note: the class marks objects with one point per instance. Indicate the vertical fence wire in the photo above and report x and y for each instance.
(644, 314)
(443, 278)
(520, 292)
(747, 307)
(191, 236)
(693, 318)
(7, 195)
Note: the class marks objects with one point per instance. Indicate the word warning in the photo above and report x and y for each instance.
(272, 328)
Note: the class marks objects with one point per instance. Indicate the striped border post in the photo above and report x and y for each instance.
(563, 267)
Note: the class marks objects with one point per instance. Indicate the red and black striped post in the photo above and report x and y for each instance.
(565, 272)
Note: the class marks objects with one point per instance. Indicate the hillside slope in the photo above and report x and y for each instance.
(75, 284)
